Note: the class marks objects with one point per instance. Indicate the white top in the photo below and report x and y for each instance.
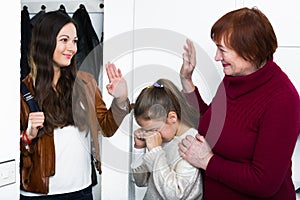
(72, 162)
(165, 174)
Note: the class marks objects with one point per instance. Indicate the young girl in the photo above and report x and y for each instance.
(165, 118)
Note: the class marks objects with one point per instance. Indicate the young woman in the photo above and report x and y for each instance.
(165, 118)
(56, 140)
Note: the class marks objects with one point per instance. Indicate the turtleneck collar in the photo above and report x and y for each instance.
(237, 86)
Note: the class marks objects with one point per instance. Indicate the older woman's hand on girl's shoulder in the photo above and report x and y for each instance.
(195, 150)
(117, 86)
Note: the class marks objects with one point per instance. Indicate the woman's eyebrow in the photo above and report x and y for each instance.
(64, 36)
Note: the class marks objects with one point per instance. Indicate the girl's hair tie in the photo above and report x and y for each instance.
(157, 85)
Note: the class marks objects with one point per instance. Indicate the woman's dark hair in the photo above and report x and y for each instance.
(248, 32)
(55, 103)
(156, 101)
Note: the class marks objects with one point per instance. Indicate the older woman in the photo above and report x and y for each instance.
(248, 132)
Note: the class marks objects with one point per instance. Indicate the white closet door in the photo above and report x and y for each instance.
(285, 18)
(117, 46)
(161, 28)
(285, 57)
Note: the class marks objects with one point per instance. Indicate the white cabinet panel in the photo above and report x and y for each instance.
(296, 166)
(285, 18)
(117, 48)
(118, 28)
(170, 23)
(118, 17)
(191, 18)
(286, 59)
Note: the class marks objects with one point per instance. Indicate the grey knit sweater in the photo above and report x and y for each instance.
(165, 174)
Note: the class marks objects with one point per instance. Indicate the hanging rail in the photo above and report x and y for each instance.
(92, 6)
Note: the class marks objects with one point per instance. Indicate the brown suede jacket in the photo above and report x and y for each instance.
(38, 161)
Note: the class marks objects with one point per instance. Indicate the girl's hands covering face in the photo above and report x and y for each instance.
(149, 139)
(139, 141)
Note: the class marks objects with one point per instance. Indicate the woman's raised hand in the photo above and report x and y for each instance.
(188, 66)
(117, 86)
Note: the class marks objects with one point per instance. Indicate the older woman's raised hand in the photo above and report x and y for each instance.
(188, 66)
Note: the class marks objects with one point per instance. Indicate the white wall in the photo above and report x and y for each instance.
(9, 86)
(144, 38)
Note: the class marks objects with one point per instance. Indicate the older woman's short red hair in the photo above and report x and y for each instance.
(248, 32)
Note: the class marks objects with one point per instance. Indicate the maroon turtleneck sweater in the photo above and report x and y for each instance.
(252, 125)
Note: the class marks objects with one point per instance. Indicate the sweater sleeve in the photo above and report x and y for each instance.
(139, 169)
(271, 163)
(172, 181)
(196, 101)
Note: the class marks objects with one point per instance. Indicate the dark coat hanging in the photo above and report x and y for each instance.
(26, 28)
(89, 53)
